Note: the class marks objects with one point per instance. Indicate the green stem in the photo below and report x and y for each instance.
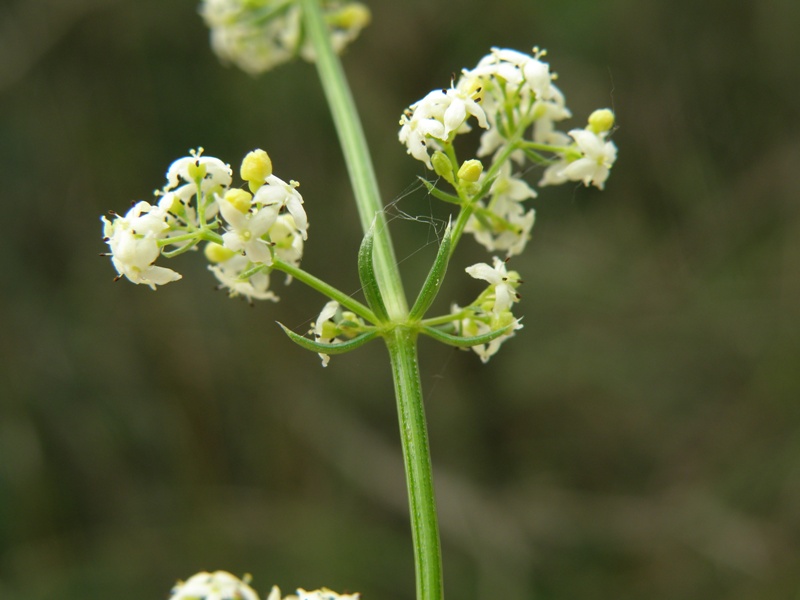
(402, 345)
(326, 289)
(400, 340)
(357, 158)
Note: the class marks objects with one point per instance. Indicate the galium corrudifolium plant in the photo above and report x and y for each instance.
(250, 229)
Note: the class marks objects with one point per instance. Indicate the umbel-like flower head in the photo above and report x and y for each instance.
(243, 233)
(258, 35)
(511, 95)
(221, 585)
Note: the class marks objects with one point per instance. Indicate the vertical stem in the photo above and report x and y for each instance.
(357, 158)
(401, 341)
(402, 345)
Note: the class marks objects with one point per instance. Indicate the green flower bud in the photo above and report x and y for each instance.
(442, 166)
(471, 170)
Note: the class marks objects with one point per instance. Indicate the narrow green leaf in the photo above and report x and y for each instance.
(464, 342)
(319, 347)
(437, 193)
(435, 278)
(366, 273)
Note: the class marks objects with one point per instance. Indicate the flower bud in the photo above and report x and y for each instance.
(471, 170)
(216, 253)
(442, 166)
(353, 16)
(256, 167)
(601, 120)
(240, 199)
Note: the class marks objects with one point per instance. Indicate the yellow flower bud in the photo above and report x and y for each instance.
(216, 253)
(471, 170)
(353, 16)
(240, 199)
(256, 167)
(601, 120)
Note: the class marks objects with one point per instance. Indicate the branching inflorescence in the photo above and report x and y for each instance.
(247, 231)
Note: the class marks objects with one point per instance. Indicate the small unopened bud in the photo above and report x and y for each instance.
(240, 199)
(442, 166)
(216, 253)
(471, 170)
(256, 167)
(353, 16)
(601, 120)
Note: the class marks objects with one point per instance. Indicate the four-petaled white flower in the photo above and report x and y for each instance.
(219, 585)
(210, 171)
(598, 158)
(133, 241)
(285, 196)
(502, 282)
(325, 330)
(229, 274)
(247, 229)
(437, 117)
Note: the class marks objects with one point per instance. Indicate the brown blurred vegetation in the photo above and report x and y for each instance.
(639, 439)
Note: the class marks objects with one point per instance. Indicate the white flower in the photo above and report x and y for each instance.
(322, 594)
(508, 226)
(598, 157)
(325, 330)
(219, 585)
(415, 133)
(502, 282)
(286, 197)
(183, 175)
(437, 116)
(210, 171)
(248, 228)
(228, 273)
(133, 241)
(288, 240)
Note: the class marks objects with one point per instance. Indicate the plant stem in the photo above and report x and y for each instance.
(357, 158)
(402, 345)
(401, 340)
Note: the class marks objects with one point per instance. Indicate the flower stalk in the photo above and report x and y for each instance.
(401, 341)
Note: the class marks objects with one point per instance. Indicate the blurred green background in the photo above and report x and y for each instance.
(639, 439)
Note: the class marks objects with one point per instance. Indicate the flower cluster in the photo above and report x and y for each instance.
(221, 585)
(491, 311)
(513, 98)
(258, 35)
(194, 206)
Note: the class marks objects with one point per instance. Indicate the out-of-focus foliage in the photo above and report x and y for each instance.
(640, 438)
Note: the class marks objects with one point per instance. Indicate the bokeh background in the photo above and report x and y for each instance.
(639, 439)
